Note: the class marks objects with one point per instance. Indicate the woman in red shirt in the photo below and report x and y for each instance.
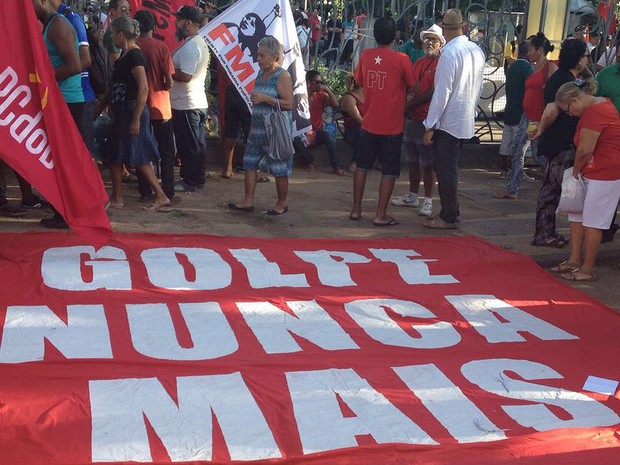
(598, 160)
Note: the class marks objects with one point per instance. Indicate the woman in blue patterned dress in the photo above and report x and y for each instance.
(273, 85)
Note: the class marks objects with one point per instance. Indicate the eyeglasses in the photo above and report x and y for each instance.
(432, 40)
(125, 10)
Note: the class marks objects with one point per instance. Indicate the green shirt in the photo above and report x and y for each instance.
(412, 51)
(608, 80)
(516, 75)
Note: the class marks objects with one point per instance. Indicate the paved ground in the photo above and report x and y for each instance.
(319, 204)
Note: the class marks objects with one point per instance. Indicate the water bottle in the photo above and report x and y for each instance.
(329, 123)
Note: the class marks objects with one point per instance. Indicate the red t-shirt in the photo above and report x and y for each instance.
(605, 162)
(424, 71)
(317, 106)
(385, 75)
(315, 27)
(534, 97)
(159, 64)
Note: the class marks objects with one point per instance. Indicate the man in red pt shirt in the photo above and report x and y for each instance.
(385, 75)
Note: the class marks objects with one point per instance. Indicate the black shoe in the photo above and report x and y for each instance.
(35, 203)
(11, 211)
(609, 234)
(55, 222)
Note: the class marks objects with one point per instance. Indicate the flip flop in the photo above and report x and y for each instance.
(117, 206)
(580, 276)
(154, 208)
(438, 223)
(272, 212)
(565, 267)
(392, 222)
(234, 206)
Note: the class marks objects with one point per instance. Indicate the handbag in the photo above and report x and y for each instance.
(573, 194)
(279, 135)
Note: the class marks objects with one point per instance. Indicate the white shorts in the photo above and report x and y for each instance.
(600, 205)
(508, 140)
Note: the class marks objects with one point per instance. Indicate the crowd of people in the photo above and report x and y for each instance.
(418, 102)
(568, 113)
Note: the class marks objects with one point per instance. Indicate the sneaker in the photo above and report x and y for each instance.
(406, 201)
(55, 222)
(525, 177)
(427, 207)
(182, 186)
(36, 203)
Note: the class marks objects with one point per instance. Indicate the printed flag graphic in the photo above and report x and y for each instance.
(234, 35)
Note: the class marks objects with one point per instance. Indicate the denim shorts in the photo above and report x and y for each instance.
(384, 148)
(413, 144)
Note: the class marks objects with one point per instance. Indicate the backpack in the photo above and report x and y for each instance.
(98, 72)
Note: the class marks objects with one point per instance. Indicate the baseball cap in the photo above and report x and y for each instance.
(190, 13)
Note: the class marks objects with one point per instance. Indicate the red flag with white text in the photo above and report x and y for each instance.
(39, 139)
(164, 12)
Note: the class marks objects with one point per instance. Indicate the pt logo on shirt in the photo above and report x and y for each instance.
(376, 79)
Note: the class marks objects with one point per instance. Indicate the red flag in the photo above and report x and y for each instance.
(39, 139)
(164, 12)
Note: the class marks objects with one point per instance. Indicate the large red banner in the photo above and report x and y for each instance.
(201, 349)
(39, 139)
(164, 11)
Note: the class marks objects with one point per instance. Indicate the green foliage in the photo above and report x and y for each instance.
(335, 79)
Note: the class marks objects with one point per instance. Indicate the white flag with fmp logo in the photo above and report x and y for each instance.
(234, 35)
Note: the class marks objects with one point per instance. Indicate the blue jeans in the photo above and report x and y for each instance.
(446, 162)
(322, 137)
(189, 133)
(518, 156)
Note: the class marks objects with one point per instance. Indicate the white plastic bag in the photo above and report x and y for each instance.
(573, 194)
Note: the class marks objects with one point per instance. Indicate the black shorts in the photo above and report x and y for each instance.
(386, 149)
(236, 113)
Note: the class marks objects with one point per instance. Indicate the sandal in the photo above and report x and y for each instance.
(557, 243)
(580, 276)
(565, 267)
(154, 208)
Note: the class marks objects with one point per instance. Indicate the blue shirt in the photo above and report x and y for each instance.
(80, 30)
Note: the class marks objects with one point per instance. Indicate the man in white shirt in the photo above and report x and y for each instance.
(450, 119)
(189, 99)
